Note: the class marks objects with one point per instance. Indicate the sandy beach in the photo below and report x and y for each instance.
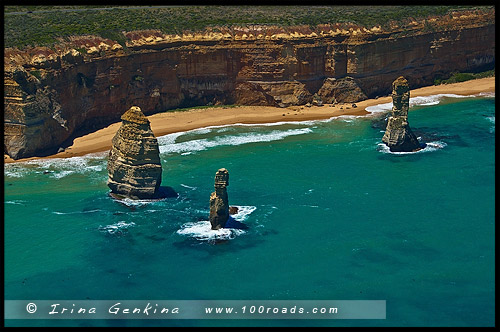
(178, 121)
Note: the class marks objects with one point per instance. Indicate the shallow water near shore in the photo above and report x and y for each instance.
(331, 215)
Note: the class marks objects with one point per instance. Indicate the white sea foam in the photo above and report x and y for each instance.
(58, 167)
(417, 101)
(75, 212)
(243, 212)
(431, 146)
(487, 94)
(379, 108)
(136, 202)
(61, 174)
(16, 202)
(202, 230)
(14, 171)
(116, 228)
(168, 145)
(189, 187)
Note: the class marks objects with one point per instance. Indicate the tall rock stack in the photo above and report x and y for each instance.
(398, 135)
(219, 204)
(134, 166)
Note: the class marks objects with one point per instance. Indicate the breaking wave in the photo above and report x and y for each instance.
(487, 94)
(201, 230)
(58, 167)
(167, 143)
(431, 146)
(417, 101)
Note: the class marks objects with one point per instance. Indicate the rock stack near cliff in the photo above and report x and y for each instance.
(219, 204)
(134, 166)
(398, 135)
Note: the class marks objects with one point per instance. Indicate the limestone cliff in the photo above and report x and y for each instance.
(134, 165)
(344, 90)
(219, 203)
(398, 135)
(53, 95)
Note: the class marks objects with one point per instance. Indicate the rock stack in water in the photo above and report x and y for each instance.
(398, 135)
(219, 204)
(134, 166)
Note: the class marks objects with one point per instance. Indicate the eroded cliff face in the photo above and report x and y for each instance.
(134, 166)
(85, 84)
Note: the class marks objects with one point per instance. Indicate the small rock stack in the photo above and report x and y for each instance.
(134, 166)
(398, 135)
(219, 204)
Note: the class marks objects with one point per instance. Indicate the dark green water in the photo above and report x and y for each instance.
(331, 216)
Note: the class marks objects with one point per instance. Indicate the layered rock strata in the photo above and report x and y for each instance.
(398, 135)
(134, 165)
(53, 95)
(219, 203)
(343, 90)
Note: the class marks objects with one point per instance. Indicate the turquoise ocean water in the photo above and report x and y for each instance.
(331, 215)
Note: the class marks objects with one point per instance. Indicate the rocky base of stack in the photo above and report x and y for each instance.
(399, 137)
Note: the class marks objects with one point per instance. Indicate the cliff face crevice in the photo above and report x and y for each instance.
(51, 95)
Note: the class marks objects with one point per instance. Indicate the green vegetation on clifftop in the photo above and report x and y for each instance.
(44, 25)
(462, 77)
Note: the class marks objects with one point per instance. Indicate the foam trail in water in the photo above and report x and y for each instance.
(16, 202)
(492, 120)
(116, 228)
(135, 202)
(76, 212)
(189, 187)
(202, 230)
